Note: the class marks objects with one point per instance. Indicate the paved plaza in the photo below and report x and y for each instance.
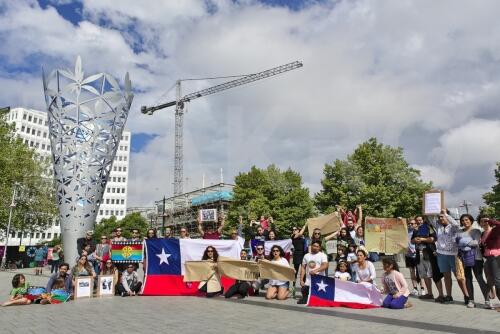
(251, 315)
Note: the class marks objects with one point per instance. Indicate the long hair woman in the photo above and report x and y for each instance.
(278, 289)
(212, 286)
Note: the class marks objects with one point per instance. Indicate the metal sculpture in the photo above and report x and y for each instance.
(86, 117)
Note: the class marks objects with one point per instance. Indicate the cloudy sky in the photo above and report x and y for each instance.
(424, 75)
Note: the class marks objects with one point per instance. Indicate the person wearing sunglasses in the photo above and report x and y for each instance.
(118, 235)
(299, 248)
(110, 269)
(183, 233)
(87, 239)
(130, 283)
(102, 253)
(136, 235)
(212, 286)
(258, 255)
(278, 289)
(151, 234)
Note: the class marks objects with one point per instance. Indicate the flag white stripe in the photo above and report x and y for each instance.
(192, 249)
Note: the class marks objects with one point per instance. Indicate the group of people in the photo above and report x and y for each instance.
(442, 246)
(437, 247)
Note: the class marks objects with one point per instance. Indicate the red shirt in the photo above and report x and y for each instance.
(491, 241)
(211, 235)
(265, 224)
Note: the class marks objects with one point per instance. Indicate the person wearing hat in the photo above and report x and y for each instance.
(87, 239)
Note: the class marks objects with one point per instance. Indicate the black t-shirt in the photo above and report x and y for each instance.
(298, 246)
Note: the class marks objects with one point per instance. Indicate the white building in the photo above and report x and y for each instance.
(32, 127)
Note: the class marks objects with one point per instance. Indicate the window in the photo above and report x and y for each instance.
(113, 190)
(49, 235)
(43, 146)
(35, 120)
(124, 169)
(23, 128)
(114, 168)
(100, 212)
(39, 133)
(126, 148)
(24, 116)
(26, 141)
(113, 201)
(124, 158)
(26, 235)
(37, 145)
(107, 200)
(123, 190)
(46, 123)
(114, 179)
(55, 235)
(29, 118)
(19, 235)
(37, 235)
(45, 135)
(31, 143)
(119, 169)
(56, 222)
(121, 212)
(124, 179)
(40, 121)
(107, 190)
(33, 131)
(123, 201)
(107, 212)
(28, 130)
(13, 235)
(43, 235)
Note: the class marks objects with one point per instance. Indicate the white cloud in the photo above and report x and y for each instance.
(370, 69)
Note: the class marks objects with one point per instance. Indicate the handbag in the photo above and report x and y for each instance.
(468, 257)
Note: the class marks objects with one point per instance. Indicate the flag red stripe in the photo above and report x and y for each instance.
(320, 302)
(173, 285)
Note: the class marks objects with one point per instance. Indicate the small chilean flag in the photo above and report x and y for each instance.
(165, 264)
(330, 292)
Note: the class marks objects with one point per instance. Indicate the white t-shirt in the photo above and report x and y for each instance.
(343, 276)
(282, 261)
(313, 261)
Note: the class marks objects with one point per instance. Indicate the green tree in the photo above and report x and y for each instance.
(376, 176)
(22, 168)
(492, 198)
(270, 192)
(129, 222)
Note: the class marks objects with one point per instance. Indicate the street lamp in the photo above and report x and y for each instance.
(12, 206)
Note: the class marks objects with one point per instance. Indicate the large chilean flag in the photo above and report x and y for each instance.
(330, 292)
(165, 264)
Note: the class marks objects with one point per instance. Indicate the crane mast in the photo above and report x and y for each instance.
(179, 111)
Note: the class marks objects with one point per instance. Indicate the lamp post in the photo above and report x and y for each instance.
(12, 206)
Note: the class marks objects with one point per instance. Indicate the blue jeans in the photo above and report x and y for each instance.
(97, 267)
(446, 263)
(395, 303)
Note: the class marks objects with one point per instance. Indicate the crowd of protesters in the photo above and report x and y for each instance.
(438, 246)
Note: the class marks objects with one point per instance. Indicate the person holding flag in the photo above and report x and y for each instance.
(315, 262)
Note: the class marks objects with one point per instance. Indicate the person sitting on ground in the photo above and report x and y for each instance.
(278, 289)
(110, 269)
(39, 259)
(64, 275)
(314, 263)
(58, 293)
(130, 283)
(394, 284)
(18, 292)
(212, 286)
(239, 288)
(82, 268)
(342, 272)
(365, 270)
(208, 232)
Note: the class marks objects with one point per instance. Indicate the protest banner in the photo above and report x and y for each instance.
(272, 270)
(433, 202)
(327, 224)
(238, 269)
(386, 235)
(208, 215)
(196, 271)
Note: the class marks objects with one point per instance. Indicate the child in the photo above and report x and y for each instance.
(342, 272)
(341, 254)
(57, 295)
(395, 285)
(19, 291)
(352, 261)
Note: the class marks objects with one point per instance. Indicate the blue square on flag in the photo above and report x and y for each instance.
(323, 287)
(163, 256)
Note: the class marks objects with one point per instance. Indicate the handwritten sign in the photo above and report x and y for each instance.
(386, 235)
(433, 202)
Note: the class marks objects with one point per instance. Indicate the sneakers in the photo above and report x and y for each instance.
(426, 296)
(123, 294)
(448, 299)
(440, 299)
(414, 292)
(488, 305)
(471, 304)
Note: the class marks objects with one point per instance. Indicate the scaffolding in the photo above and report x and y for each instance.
(182, 210)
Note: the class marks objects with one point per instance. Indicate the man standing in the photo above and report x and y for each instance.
(130, 284)
(63, 273)
(168, 233)
(86, 240)
(209, 233)
(136, 235)
(314, 263)
(118, 235)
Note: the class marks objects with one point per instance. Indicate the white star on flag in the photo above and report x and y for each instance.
(322, 286)
(164, 256)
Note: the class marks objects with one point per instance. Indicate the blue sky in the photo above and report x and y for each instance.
(413, 74)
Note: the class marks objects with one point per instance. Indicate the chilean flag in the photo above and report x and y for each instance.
(286, 244)
(165, 264)
(330, 292)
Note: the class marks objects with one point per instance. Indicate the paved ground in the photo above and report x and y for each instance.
(251, 315)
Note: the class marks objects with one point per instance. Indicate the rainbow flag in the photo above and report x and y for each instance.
(126, 251)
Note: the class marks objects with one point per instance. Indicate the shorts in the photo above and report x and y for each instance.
(286, 285)
(459, 273)
(410, 262)
(39, 264)
(446, 263)
(424, 268)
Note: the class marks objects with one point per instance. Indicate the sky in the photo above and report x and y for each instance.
(423, 75)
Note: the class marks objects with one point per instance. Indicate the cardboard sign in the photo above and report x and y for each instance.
(197, 271)
(208, 215)
(239, 269)
(386, 235)
(106, 286)
(327, 224)
(83, 287)
(433, 202)
(271, 270)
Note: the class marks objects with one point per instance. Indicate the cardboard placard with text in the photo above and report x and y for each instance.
(327, 224)
(239, 269)
(386, 235)
(433, 202)
(196, 271)
(275, 271)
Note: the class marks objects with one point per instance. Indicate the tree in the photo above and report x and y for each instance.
(270, 192)
(22, 168)
(376, 176)
(129, 222)
(492, 198)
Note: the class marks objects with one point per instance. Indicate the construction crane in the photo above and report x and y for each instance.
(179, 110)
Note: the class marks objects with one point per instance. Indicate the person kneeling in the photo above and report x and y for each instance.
(278, 289)
(395, 285)
(130, 284)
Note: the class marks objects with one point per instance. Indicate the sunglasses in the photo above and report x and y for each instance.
(260, 248)
(118, 230)
(210, 251)
(316, 233)
(276, 250)
(183, 231)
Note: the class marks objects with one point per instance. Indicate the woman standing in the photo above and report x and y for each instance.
(102, 254)
(490, 242)
(56, 258)
(471, 258)
(212, 286)
(299, 247)
(365, 270)
(278, 289)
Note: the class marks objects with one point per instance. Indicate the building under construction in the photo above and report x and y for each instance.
(182, 210)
